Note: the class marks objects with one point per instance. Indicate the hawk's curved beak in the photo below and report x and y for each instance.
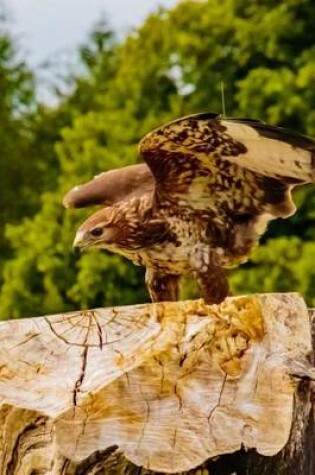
(79, 242)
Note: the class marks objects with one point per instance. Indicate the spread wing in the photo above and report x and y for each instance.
(111, 187)
(241, 166)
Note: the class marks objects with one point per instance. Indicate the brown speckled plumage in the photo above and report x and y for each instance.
(199, 204)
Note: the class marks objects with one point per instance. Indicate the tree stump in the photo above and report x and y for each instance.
(160, 388)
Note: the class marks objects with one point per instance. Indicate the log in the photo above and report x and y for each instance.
(180, 388)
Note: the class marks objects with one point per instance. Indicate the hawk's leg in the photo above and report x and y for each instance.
(213, 284)
(211, 277)
(162, 287)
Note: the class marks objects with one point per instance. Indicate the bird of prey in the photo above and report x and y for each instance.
(199, 203)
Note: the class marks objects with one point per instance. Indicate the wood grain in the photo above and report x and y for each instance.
(171, 387)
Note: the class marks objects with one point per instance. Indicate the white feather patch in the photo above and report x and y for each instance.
(270, 157)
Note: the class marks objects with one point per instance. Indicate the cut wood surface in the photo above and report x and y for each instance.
(163, 386)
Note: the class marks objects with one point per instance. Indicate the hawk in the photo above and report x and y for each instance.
(199, 203)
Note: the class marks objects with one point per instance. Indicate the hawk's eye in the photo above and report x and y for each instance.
(96, 232)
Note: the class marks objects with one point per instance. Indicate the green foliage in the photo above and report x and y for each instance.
(285, 264)
(16, 85)
(172, 65)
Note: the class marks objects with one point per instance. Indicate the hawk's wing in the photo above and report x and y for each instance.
(111, 187)
(238, 165)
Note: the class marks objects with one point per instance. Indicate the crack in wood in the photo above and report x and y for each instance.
(99, 330)
(79, 381)
(27, 340)
(218, 404)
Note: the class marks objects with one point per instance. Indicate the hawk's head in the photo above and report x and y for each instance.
(101, 230)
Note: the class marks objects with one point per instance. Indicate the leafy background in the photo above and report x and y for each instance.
(172, 65)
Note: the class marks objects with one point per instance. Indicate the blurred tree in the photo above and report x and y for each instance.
(172, 65)
(16, 98)
(44, 276)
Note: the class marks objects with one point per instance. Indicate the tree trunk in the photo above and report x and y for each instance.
(180, 388)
